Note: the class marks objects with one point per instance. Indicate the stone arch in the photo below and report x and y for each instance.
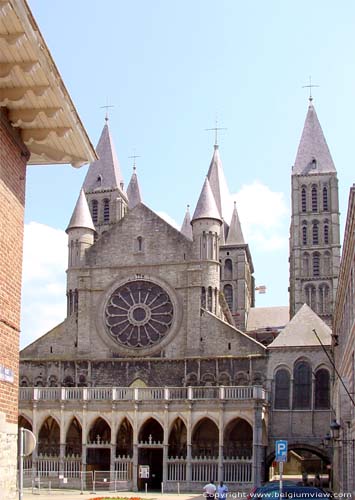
(24, 422)
(177, 439)
(205, 438)
(191, 379)
(24, 381)
(224, 378)
(99, 431)
(302, 384)
(228, 295)
(242, 378)
(322, 389)
(49, 437)
(305, 264)
(74, 435)
(238, 439)
(208, 379)
(52, 381)
(282, 388)
(151, 430)
(124, 440)
(138, 382)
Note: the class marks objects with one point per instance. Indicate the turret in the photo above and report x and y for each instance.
(206, 225)
(80, 232)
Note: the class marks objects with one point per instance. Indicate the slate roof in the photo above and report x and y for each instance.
(235, 233)
(299, 331)
(186, 228)
(104, 173)
(133, 191)
(81, 215)
(267, 317)
(206, 207)
(313, 155)
(218, 181)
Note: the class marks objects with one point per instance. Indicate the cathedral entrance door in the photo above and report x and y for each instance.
(154, 458)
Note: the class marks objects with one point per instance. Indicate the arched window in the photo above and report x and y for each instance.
(322, 390)
(95, 211)
(310, 296)
(282, 390)
(203, 297)
(326, 232)
(228, 269)
(209, 299)
(304, 233)
(326, 264)
(228, 294)
(139, 244)
(325, 199)
(302, 384)
(305, 264)
(314, 198)
(316, 262)
(304, 199)
(315, 233)
(106, 203)
(323, 299)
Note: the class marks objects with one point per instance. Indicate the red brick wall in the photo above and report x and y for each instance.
(12, 201)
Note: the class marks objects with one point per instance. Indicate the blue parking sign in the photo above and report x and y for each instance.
(281, 450)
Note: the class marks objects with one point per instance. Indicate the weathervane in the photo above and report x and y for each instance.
(310, 86)
(216, 129)
(107, 108)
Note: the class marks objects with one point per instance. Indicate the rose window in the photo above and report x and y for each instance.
(139, 314)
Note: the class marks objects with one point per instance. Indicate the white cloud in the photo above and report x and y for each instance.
(44, 280)
(264, 216)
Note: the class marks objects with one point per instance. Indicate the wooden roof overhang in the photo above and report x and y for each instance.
(33, 92)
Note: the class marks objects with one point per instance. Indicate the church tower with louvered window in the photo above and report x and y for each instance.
(314, 231)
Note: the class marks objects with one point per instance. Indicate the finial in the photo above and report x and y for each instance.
(134, 156)
(107, 108)
(310, 86)
(188, 208)
(235, 204)
(216, 128)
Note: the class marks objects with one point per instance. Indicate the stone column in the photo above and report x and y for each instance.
(257, 443)
(220, 439)
(135, 449)
(62, 439)
(113, 443)
(84, 444)
(35, 431)
(189, 450)
(165, 444)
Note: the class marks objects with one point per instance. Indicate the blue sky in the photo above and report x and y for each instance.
(169, 67)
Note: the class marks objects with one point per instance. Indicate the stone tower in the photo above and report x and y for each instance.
(314, 231)
(103, 185)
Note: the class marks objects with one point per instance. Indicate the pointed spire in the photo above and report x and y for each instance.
(218, 181)
(104, 173)
(186, 228)
(133, 191)
(81, 217)
(235, 233)
(206, 207)
(313, 155)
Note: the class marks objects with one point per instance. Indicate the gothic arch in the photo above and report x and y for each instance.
(302, 385)
(228, 269)
(177, 439)
(73, 441)
(99, 427)
(124, 438)
(49, 437)
(24, 422)
(238, 439)
(151, 427)
(282, 388)
(205, 438)
(69, 421)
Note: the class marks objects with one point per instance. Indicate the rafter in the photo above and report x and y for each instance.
(7, 68)
(40, 135)
(14, 94)
(19, 117)
(55, 155)
(12, 38)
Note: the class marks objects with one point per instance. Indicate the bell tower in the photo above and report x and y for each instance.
(314, 231)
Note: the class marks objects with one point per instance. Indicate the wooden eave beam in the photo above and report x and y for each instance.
(6, 68)
(15, 94)
(27, 116)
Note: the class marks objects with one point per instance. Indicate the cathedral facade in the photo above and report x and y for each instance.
(164, 372)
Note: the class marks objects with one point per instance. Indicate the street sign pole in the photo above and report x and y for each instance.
(281, 469)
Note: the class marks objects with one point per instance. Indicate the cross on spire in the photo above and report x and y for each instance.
(310, 86)
(107, 108)
(216, 129)
(134, 156)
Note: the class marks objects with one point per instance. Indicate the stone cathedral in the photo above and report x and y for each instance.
(164, 372)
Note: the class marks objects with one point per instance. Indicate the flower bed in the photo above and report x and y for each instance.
(117, 498)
